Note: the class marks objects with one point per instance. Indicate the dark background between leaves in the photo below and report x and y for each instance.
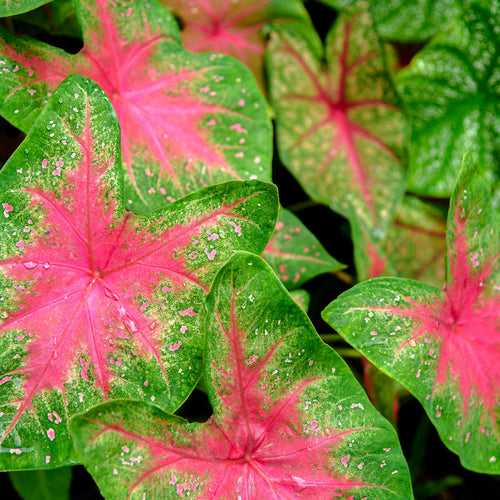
(436, 472)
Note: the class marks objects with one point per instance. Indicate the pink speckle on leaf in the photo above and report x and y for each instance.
(188, 312)
(51, 434)
(210, 254)
(175, 346)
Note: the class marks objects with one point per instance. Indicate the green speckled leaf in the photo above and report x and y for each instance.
(339, 130)
(451, 91)
(413, 248)
(95, 301)
(412, 20)
(295, 254)
(13, 7)
(443, 345)
(187, 120)
(51, 484)
(290, 420)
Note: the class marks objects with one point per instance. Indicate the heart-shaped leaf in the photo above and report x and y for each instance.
(339, 131)
(233, 28)
(295, 254)
(42, 484)
(13, 7)
(187, 120)
(444, 346)
(451, 92)
(413, 248)
(96, 301)
(289, 420)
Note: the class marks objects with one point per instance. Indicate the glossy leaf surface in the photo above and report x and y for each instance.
(289, 418)
(13, 7)
(97, 302)
(51, 484)
(444, 346)
(339, 131)
(233, 27)
(187, 120)
(295, 254)
(413, 248)
(451, 91)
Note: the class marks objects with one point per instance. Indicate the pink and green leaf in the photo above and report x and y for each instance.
(443, 346)
(289, 419)
(339, 129)
(96, 301)
(187, 120)
(413, 248)
(234, 28)
(295, 254)
(13, 7)
(451, 92)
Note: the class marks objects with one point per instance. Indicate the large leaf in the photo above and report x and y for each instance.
(13, 7)
(42, 484)
(187, 120)
(295, 254)
(452, 94)
(444, 346)
(289, 419)
(413, 248)
(233, 28)
(339, 131)
(97, 302)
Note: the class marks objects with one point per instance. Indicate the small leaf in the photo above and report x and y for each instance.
(187, 120)
(413, 248)
(339, 130)
(289, 419)
(302, 298)
(13, 7)
(443, 346)
(233, 28)
(97, 301)
(451, 92)
(295, 254)
(42, 484)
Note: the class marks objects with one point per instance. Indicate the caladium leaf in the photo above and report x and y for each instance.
(413, 21)
(13, 7)
(42, 484)
(187, 120)
(234, 28)
(451, 92)
(405, 21)
(301, 298)
(443, 346)
(295, 253)
(96, 301)
(413, 248)
(339, 131)
(289, 419)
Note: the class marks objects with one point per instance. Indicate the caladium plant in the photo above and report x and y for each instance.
(235, 28)
(339, 129)
(413, 248)
(289, 419)
(96, 301)
(295, 253)
(12, 7)
(443, 346)
(187, 120)
(451, 92)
